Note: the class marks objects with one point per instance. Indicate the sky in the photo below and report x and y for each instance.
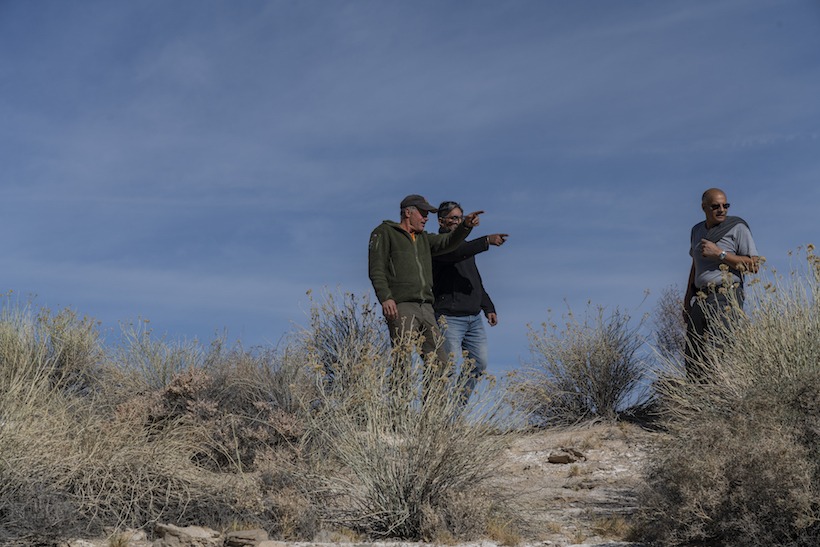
(204, 164)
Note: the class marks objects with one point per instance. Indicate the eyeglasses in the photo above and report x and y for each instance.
(454, 218)
(716, 206)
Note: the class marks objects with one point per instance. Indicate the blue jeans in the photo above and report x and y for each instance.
(466, 333)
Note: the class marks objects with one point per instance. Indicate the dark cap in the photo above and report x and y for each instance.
(417, 201)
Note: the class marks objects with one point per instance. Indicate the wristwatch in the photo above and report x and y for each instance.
(722, 256)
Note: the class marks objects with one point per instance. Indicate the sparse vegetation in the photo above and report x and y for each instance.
(338, 434)
(611, 527)
(146, 431)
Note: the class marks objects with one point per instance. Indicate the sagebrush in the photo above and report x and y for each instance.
(584, 370)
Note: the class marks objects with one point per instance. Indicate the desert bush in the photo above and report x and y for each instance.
(148, 430)
(394, 454)
(88, 440)
(24, 363)
(586, 370)
(60, 348)
(669, 327)
(741, 462)
(344, 329)
(151, 361)
(93, 474)
(245, 400)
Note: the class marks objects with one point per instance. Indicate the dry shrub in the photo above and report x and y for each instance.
(741, 463)
(148, 430)
(105, 474)
(583, 371)
(612, 527)
(503, 530)
(292, 515)
(344, 329)
(91, 439)
(244, 400)
(394, 454)
(669, 326)
(60, 349)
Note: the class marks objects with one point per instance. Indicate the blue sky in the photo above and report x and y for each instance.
(203, 164)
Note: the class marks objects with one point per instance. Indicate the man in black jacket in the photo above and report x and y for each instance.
(460, 298)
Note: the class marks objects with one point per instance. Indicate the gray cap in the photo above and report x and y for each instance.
(417, 201)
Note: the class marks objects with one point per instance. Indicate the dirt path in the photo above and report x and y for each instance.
(588, 501)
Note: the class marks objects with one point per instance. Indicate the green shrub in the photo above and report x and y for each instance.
(583, 371)
(740, 465)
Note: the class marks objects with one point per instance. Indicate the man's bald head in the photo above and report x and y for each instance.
(715, 206)
(711, 194)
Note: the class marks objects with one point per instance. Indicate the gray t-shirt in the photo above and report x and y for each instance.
(707, 270)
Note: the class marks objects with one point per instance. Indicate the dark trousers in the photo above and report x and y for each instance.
(418, 318)
(710, 320)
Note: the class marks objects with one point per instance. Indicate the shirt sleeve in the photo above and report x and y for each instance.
(744, 244)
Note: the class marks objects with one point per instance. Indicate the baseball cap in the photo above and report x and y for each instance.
(417, 201)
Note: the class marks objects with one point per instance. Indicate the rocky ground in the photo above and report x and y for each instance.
(577, 487)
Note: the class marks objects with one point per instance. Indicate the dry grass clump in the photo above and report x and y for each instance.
(741, 463)
(585, 370)
(394, 453)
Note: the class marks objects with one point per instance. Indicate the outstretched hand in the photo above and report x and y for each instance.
(472, 220)
(497, 239)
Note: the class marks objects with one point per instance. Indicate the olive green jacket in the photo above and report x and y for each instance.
(402, 269)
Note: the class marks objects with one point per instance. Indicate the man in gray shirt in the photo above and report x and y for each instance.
(719, 240)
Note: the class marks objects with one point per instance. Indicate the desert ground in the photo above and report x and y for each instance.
(576, 486)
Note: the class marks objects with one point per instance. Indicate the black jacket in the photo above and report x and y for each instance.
(457, 285)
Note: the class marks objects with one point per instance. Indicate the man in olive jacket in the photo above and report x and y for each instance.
(400, 266)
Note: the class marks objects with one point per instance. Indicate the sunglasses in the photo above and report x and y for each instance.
(716, 206)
